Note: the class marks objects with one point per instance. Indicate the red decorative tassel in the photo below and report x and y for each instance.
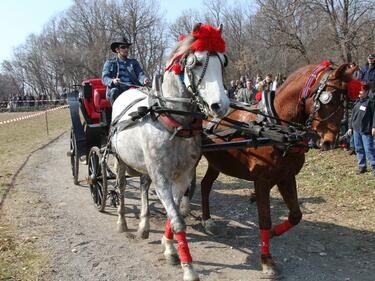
(282, 227)
(265, 241)
(183, 248)
(168, 231)
(177, 68)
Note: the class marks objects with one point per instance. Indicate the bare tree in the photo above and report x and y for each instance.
(346, 19)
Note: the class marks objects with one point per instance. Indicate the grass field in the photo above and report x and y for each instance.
(20, 138)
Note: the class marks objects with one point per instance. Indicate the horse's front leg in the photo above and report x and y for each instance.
(288, 190)
(262, 190)
(144, 224)
(175, 226)
(121, 183)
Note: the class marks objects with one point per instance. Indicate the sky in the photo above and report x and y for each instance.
(20, 18)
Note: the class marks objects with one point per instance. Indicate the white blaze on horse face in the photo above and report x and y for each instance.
(211, 89)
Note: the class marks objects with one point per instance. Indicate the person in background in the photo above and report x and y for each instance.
(362, 127)
(367, 74)
(120, 73)
(268, 84)
(239, 85)
(232, 90)
(247, 94)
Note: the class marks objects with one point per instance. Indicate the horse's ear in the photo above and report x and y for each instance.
(340, 72)
(220, 28)
(349, 73)
(196, 26)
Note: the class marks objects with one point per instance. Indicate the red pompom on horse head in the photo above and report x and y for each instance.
(208, 38)
(354, 87)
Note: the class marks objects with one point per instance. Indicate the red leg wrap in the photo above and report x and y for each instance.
(282, 227)
(183, 248)
(265, 241)
(168, 231)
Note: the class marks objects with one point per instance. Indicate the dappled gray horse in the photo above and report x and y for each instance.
(164, 148)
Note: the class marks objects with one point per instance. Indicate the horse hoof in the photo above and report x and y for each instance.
(210, 227)
(189, 272)
(122, 227)
(172, 259)
(143, 234)
(270, 272)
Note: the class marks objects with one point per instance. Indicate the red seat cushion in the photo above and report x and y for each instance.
(91, 112)
(100, 100)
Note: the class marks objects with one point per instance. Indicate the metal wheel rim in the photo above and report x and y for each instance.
(74, 159)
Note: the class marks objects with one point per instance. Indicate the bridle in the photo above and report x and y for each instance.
(189, 63)
(322, 97)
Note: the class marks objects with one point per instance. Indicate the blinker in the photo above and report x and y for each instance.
(191, 61)
(325, 97)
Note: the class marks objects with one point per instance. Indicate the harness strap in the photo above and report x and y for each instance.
(313, 77)
(191, 130)
(118, 117)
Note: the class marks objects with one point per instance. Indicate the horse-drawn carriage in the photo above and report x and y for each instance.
(166, 142)
(91, 116)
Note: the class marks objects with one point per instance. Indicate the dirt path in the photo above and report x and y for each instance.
(82, 244)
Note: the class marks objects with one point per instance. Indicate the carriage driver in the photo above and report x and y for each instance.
(120, 73)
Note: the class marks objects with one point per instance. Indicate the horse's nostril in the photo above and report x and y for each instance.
(215, 107)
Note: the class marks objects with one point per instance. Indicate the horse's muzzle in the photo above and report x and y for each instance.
(327, 145)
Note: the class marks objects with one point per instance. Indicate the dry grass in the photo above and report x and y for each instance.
(21, 138)
(19, 258)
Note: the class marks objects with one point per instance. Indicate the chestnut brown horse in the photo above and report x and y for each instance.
(268, 166)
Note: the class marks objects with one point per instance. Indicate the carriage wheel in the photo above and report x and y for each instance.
(74, 158)
(97, 178)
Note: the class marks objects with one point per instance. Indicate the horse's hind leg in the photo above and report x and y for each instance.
(121, 183)
(288, 191)
(206, 186)
(144, 224)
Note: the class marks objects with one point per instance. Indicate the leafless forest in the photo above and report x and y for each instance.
(262, 36)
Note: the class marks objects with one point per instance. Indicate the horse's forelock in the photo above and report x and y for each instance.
(182, 48)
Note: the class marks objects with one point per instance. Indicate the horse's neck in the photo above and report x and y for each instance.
(288, 106)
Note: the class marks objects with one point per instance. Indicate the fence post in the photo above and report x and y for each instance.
(46, 122)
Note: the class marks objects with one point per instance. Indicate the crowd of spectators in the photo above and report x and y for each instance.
(249, 90)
